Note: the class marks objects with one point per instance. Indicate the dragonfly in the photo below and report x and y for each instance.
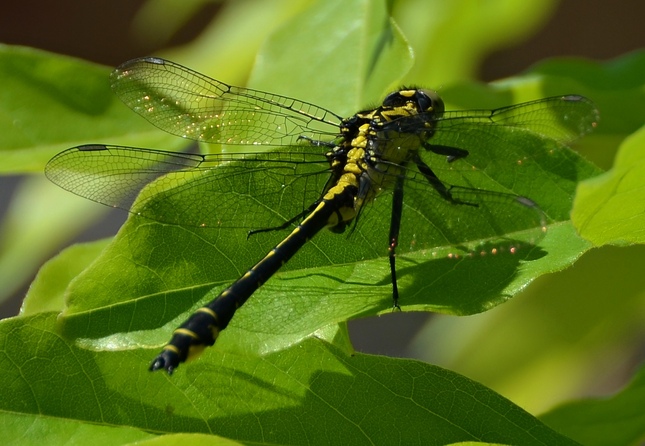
(434, 174)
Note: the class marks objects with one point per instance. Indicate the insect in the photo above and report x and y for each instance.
(432, 172)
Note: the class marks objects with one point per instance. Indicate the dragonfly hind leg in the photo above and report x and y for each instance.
(316, 142)
(437, 184)
(393, 239)
(286, 224)
(452, 153)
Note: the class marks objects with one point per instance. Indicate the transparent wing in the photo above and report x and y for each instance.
(250, 190)
(560, 118)
(482, 218)
(188, 104)
(519, 149)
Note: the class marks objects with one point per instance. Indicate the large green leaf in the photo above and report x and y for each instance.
(280, 398)
(611, 208)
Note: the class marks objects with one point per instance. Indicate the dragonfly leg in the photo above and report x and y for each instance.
(287, 223)
(452, 153)
(436, 183)
(393, 239)
(315, 142)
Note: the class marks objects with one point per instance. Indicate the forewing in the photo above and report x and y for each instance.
(186, 103)
(560, 118)
(519, 149)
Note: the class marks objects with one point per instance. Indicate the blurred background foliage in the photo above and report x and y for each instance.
(538, 349)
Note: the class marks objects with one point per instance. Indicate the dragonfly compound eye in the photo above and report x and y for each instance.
(429, 100)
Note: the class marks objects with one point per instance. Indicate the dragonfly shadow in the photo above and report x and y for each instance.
(456, 281)
(466, 281)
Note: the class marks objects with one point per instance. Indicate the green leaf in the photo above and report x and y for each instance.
(31, 428)
(451, 39)
(539, 349)
(47, 291)
(277, 399)
(611, 208)
(35, 224)
(192, 439)
(156, 273)
(48, 103)
(74, 105)
(366, 59)
(618, 419)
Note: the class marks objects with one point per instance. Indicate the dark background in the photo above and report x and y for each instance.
(98, 30)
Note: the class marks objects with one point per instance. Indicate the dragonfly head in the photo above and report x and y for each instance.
(414, 101)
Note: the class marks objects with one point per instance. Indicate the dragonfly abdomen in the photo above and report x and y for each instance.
(202, 328)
